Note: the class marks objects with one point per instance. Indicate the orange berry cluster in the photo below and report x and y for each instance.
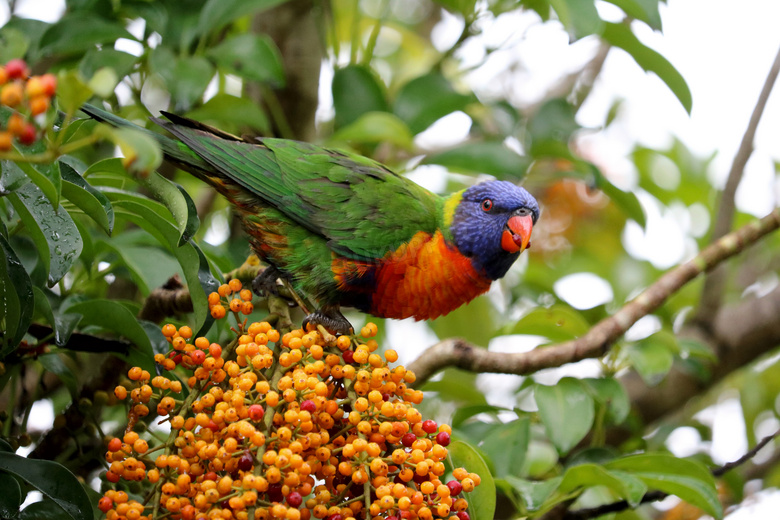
(28, 96)
(283, 426)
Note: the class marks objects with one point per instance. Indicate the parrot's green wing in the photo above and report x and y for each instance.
(360, 207)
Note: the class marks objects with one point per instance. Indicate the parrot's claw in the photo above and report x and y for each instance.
(330, 317)
(264, 283)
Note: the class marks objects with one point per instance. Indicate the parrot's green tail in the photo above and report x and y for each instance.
(173, 150)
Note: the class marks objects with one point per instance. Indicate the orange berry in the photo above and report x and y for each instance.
(235, 285)
(39, 105)
(247, 308)
(6, 141)
(218, 312)
(185, 332)
(3, 76)
(213, 299)
(16, 124)
(49, 84)
(246, 295)
(11, 94)
(34, 87)
(169, 330)
(223, 290)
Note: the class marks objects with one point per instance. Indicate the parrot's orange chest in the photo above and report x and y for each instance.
(424, 279)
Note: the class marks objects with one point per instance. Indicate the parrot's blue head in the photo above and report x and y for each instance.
(492, 225)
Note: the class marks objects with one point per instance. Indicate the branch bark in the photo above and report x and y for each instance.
(716, 280)
(597, 341)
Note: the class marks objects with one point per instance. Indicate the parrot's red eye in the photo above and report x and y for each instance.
(487, 205)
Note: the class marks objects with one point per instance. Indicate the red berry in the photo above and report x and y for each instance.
(28, 135)
(198, 357)
(430, 426)
(455, 487)
(115, 444)
(246, 461)
(462, 515)
(349, 356)
(49, 84)
(17, 69)
(112, 477)
(256, 412)
(105, 504)
(443, 438)
(211, 475)
(294, 499)
(408, 439)
(308, 406)
(275, 493)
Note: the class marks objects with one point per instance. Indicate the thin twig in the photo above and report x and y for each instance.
(597, 341)
(712, 291)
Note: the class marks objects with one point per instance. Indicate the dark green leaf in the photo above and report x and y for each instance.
(687, 479)
(54, 232)
(95, 59)
(53, 480)
(620, 35)
(426, 99)
(580, 17)
(252, 56)
(624, 200)
(645, 10)
(551, 128)
(567, 412)
(356, 91)
(224, 109)
(78, 32)
(115, 317)
(185, 77)
(489, 157)
(150, 267)
(376, 127)
(11, 497)
(462, 7)
(482, 501)
(12, 47)
(460, 322)
(11, 177)
(53, 363)
(16, 295)
(45, 176)
(506, 445)
(610, 393)
(217, 13)
(465, 412)
(13, 44)
(85, 197)
(47, 509)
(558, 323)
(159, 342)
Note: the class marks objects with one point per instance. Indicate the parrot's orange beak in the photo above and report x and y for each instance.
(517, 234)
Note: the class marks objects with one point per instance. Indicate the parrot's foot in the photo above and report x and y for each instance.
(264, 283)
(330, 317)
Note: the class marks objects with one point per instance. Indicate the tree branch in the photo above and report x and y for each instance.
(715, 281)
(596, 342)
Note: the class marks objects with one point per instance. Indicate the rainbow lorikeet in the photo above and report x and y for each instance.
(347, 231)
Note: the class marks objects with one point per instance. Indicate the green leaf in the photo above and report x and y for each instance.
(46, 177)
(623, 484)
(491, 157)
(95, 59)
(217, 13)
(11, 497)
(186, 77)
(482, 501)
(62, 324)
(77, 32)
(178, 202)
(154, 218)
(551, 128)
(149, 267)
(16, 294)
(557, 323)
(224, 109)
(567, 412)
(506, 444)
(610, 393)
(653, 356)
(53, 480)
(103, 82)
(460, 322)
(465, 412)
(426, 99)
(252, 56)
(645, 10)
(72, 91)
(463, 7)
(687, 479)
(620, 35)
(58, 240)
(356, 91)
(86, 198)
(534, 493)
(142, 153)
(11, 177)
(13, 44)
(115, 317)
(376, 127)
(580, 17)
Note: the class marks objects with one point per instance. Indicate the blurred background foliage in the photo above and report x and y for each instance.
(84, 244)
